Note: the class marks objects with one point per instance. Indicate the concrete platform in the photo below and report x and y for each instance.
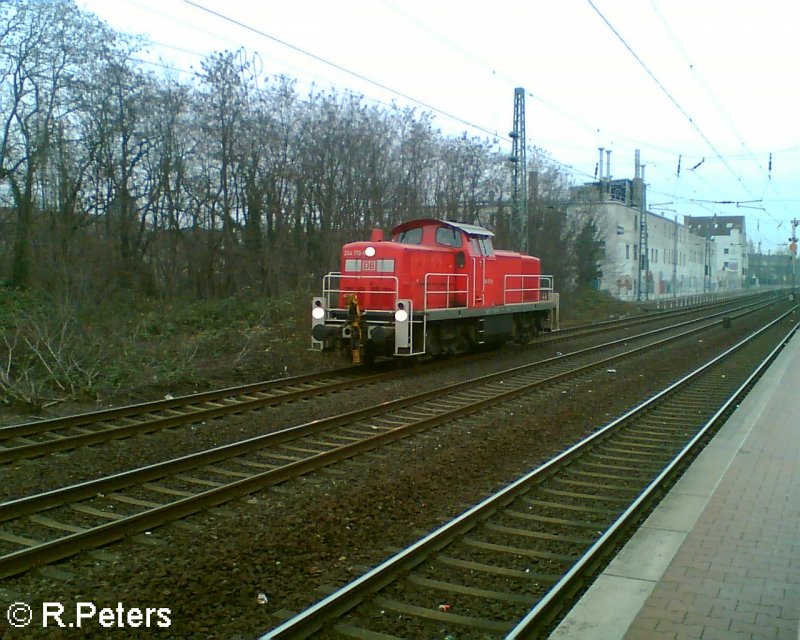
(719, 559)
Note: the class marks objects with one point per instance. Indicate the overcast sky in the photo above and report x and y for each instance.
(715, 83)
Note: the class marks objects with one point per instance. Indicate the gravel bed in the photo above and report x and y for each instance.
(228, 573)
(36, 475)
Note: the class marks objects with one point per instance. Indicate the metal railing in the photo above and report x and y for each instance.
(440, 290)
(444, 291)
(332, 290)
(528, 288)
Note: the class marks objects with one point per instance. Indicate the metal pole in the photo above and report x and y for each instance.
(642, 261)
(793, 253)
(644, 242)
(519, 227)
(675, 259)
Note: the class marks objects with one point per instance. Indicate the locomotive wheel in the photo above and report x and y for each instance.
(370, 353)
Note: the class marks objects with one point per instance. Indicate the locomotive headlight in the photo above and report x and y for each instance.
(318, 313)
(403, 327)
(369, 252)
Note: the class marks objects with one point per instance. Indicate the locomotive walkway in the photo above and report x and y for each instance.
(720, 557)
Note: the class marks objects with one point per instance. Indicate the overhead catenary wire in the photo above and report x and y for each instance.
(693, 68)
(669, 96)
(375, 83)
(717, 105)
(667, 166)
(339, 67)
(692, 122)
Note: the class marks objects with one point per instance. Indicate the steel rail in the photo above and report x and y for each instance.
(346, 598)
(240, 404)
(68, 545)
(92, 417)
(547, 609)
(651, 316)
(237, 400)
(45, 500)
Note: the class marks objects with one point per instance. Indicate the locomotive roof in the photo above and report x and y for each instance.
(469, 229)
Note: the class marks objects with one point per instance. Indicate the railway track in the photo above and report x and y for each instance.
(509, 566)
(46, 527)
(34, 439)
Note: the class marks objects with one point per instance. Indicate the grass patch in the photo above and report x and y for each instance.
(594, 306)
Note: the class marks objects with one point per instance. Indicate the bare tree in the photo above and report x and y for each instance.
(38, 59)
(166, 169)
(463, 165)
(551, 232)
(120, 136)
(225, 94)
(415, 152)
(48, 53)
(225, 182)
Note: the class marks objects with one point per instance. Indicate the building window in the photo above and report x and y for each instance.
(627, 252)
(726, 251)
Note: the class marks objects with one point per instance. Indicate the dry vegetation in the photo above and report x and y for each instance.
(56, 359)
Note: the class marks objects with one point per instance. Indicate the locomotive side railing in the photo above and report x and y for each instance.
(446, 291)
(521, 288)
(440, 290)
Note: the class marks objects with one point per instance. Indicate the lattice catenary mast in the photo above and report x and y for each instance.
(519, 209)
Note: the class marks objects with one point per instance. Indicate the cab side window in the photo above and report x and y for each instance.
(448, 237)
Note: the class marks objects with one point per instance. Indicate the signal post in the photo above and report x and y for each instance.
(793, 253)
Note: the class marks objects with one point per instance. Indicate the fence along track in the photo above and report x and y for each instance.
(143, 498)
(531, 546)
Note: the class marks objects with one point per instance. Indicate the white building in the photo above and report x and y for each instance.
(676, 260)
(729, 235)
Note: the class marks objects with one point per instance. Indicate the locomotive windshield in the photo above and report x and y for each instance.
(412, 236)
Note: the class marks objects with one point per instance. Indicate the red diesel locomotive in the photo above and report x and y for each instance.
(437, 287)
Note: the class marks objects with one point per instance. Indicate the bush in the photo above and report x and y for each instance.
(137, 349)
(593, 306)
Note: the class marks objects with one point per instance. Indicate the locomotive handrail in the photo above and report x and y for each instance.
(548, 289)
(330, 293)
(448, 293)
(543, 286)
(431, 296)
